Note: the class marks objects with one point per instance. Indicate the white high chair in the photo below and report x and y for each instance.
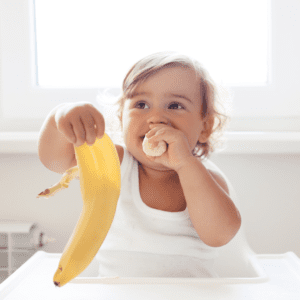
(243, 275)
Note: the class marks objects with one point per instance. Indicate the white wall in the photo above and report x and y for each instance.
(268, 186)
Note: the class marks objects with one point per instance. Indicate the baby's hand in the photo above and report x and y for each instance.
(178, 149)
(80, 122)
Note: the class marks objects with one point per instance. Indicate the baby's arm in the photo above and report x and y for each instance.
(213, 214)
(54, 150)
(67, 125)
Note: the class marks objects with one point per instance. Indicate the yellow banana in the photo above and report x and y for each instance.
(100, 184)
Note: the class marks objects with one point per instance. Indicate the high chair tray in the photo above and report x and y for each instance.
(278, 277)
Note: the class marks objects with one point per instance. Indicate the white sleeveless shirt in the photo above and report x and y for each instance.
(147, 242)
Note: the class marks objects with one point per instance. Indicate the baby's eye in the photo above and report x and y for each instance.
(172, 104)
(138, 103)
(176, 103)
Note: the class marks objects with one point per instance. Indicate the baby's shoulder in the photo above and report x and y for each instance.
(215, 173)
(219, 179)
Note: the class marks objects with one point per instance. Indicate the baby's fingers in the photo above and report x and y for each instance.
(68, 131)
(99, 123)
(89, 128)
(79, 130)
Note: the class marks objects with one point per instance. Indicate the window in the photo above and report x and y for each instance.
(265, 100)
(80, 54)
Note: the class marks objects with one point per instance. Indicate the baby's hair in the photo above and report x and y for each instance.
(211, 107)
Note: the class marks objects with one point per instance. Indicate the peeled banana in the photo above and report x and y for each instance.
(100, 184)
(156, 151)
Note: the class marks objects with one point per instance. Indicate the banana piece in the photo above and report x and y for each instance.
(156, 151)
(64, 182)
(100, 184)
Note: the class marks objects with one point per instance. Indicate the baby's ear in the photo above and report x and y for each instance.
(207, 130)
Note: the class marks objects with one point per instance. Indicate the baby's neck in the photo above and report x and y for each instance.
(158, 175)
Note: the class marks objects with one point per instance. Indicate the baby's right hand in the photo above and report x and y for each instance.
(80, 122)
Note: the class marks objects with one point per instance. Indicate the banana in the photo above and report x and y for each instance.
(100, 185)
(157, 151)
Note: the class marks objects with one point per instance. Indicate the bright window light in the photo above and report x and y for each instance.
(93, 44)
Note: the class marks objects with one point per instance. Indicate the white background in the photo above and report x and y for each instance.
(271, 107)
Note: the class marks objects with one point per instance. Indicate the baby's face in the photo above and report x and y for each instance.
(155, 102)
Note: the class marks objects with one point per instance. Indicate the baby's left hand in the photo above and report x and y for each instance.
(178, 151)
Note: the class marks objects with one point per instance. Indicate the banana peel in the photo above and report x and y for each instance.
(100, 184)
(64, 182)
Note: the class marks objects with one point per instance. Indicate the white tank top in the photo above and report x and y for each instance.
(147, 242)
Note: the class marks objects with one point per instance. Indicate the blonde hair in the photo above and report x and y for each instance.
(211, 108)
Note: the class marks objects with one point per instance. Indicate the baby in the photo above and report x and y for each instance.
(172, 212)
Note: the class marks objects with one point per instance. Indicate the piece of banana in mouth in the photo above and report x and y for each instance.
(156, 151)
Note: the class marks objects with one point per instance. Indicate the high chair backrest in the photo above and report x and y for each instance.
(234, 257)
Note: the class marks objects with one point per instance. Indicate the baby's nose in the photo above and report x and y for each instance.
(167, 123)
